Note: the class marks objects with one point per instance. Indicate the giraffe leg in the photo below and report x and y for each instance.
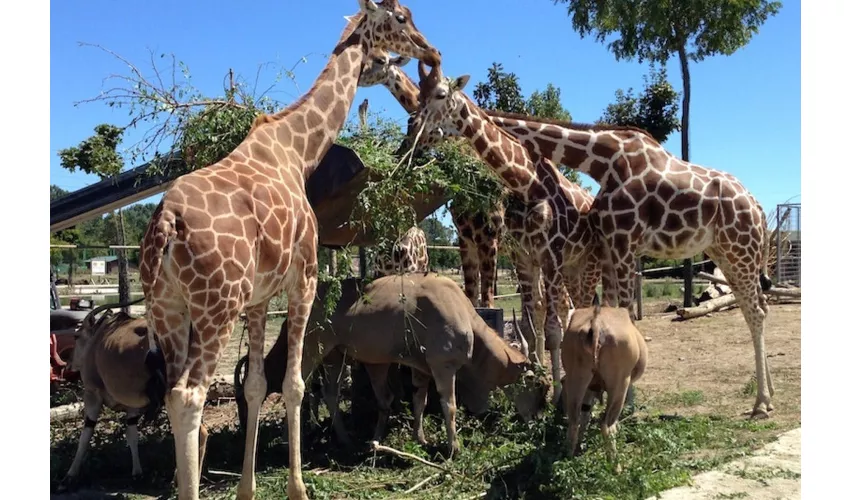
(488, 259)
(300, 297)
(470, 264)
(255, 392)
(169, 317)
(610, 292)
(527, 287)
(554, 289)
(744, 282)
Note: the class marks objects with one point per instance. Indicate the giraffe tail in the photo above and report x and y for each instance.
(156, 241)
(764, 281)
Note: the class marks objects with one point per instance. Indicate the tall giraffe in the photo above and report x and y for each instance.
(478, 232)
(653, 203)
(558, 243)
(232, 235)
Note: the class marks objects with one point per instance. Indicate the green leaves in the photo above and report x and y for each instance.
(654, 110)
(96, 155)
(654, 29)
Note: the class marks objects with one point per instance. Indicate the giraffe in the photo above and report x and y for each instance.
(547, 224)
(230, 236)
(409, 255)
(478, 232)
(653, 203)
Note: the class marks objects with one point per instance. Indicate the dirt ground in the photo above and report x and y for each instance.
(702, 365)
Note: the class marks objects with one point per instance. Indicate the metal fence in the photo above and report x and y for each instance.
(788, 244)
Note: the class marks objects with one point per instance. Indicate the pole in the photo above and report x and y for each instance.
(361, 254)
(688, 272)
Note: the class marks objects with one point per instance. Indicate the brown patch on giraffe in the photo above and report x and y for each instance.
(597, 170)
(605, 146)
(665, 190)
(651, 210)
(620, 201)
(625, 220)
(674, 222)
(546, 147)
(636, 188)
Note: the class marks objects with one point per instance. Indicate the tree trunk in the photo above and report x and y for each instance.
(688, 272)
(123, 277)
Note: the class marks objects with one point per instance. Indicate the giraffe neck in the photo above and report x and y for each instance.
(311, 124)
(593, 152)
(505, 154)
(405, 90)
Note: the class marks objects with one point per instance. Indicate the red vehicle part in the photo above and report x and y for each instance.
(61, 348)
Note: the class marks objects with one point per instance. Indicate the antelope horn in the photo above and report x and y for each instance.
(522, 342)
(88, 321)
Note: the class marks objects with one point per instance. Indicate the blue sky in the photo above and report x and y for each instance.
(745, 108)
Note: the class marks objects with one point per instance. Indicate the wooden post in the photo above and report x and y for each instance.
(688, 273)
(639, 289)
(333, 262)
(361, 254)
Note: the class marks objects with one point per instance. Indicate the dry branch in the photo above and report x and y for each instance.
(378, 447)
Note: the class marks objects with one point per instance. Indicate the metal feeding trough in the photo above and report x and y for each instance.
(494, 317)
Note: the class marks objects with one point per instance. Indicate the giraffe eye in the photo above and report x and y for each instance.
(400, 18)
(441, 94)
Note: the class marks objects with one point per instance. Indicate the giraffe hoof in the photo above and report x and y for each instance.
(759, 414)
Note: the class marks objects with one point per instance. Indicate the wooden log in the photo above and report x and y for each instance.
(775, 291)
(706, 307)
(66, 412)
(785, 292)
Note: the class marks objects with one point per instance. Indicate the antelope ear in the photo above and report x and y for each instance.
(399, 61)
(368, 5)
(460, 82)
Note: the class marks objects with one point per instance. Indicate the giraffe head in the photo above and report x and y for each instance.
(441, 100)
(389, 26)
(381, 69)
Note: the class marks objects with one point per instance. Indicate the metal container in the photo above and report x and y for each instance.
(494, 317)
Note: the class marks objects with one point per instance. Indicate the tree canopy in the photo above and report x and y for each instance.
(654, 30)
(654, 110)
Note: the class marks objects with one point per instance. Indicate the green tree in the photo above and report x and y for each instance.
(57, 192)
(438, 234)
(654, 110)
(501, 91)
(655, 30)
(547, 104)
(99, 155)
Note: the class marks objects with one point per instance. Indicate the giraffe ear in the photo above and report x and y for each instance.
(399, 61)
(460, 82)
(368, 5)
